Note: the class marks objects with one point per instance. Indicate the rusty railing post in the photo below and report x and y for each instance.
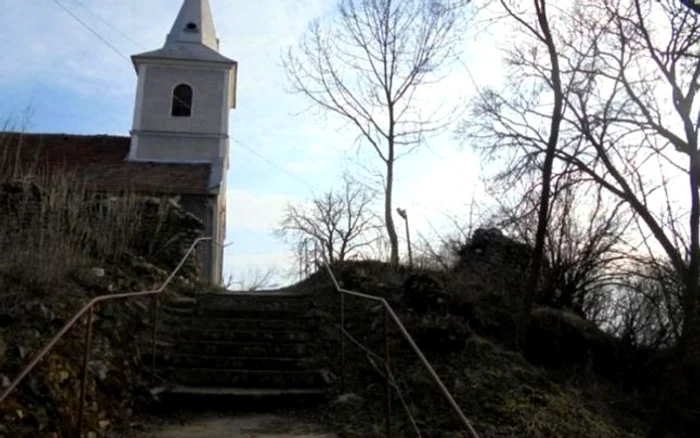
(342, 343)
(387, 372)
(153, 340)
(86, 361)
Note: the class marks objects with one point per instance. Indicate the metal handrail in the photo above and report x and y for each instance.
(389, 313)
(89, 309)
(371, 355)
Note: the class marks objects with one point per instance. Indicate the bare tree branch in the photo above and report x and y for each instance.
(340, 222)
(370, 65)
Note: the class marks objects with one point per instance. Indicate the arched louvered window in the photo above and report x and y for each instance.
(182, 101)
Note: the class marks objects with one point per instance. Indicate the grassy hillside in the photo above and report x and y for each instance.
(573, 380)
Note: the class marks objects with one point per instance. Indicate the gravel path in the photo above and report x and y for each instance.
(247, 426)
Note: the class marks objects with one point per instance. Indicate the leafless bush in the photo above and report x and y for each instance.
(256, 280)
(648, 309)
(440, 251)
(584, 244)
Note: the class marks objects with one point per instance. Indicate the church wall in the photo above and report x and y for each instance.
(210, 93)
(202, 207)
(219, 217)
(177, 148)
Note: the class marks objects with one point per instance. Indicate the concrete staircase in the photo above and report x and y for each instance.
(244, 346)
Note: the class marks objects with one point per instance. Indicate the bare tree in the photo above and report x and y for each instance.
(440, 250)
(542, 32)
(341, 222)
(631, 126)
(641, 116)
(255, 281)
(519, 124)
(584, 245)
(373, 66)
(648, 312)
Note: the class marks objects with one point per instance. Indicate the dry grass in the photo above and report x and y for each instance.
(52, 225)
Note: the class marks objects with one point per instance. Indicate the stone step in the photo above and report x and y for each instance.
(231, 349)
(255, 301)
(243, 378)
(237, 400)
(244, 392)
(237, 302)
(244, 323)
(179, 302)
(174, 334)
(233, 313)
(177, 360)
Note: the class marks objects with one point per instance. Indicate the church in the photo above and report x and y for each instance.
(179, 142)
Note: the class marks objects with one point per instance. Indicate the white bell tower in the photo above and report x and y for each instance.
(184, 95)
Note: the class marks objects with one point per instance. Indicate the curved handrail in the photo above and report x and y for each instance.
(44, 351)
(390, 311)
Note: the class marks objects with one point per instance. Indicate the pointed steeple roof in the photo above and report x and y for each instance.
(194, 24)
(193, 37)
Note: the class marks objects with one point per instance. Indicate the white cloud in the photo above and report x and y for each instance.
(432, 187)
(306, 167)
(247, 209)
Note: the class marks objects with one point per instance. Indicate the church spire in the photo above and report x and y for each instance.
(194, 24)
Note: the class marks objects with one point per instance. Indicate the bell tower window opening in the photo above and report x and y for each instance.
(182, 101)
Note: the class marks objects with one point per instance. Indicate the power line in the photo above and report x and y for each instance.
(104, 41)
(272, 163)
(95, 14)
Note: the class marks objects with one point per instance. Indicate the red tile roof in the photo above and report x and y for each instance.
(100, 161)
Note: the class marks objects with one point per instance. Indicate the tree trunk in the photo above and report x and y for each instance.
(536, 262)
(388, 210)
(331, 255)
(688, 348)
(523, 320)
(681, 359)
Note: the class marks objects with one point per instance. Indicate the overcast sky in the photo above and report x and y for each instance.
(74, 83)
